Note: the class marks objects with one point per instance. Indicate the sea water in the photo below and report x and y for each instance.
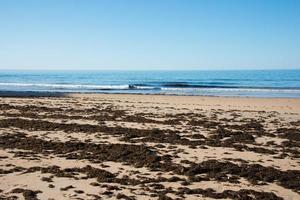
(254, 83)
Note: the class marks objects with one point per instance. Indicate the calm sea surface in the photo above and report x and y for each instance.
(266, 83)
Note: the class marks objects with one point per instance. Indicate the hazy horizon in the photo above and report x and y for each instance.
(150, 35)
(216, 69)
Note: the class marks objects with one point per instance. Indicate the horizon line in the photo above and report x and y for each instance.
(257, 69)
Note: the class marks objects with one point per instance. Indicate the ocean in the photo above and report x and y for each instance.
(254, 83)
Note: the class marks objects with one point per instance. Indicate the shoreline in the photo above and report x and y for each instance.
(269, 103)
(66, 94)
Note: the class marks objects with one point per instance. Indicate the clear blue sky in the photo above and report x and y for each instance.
(149, 34)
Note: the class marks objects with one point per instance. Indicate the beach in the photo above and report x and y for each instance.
(134, 146)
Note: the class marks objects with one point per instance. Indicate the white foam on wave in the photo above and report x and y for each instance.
(78, 86)
(66, 86)
(146, 87)
(235, 89)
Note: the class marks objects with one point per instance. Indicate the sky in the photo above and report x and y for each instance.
(149, 34)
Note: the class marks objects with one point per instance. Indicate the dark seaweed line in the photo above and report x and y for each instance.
(131, 134)
(142, 156)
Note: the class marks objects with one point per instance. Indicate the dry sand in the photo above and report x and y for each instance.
(102, 146)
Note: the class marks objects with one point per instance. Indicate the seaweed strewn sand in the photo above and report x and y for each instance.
(149, 147)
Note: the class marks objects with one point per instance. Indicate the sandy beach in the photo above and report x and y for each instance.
(121, 146)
